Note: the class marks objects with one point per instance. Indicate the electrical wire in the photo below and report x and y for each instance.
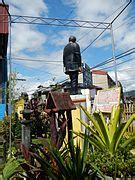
(118, 57)
(46, 72)
(66, 17)
(121, 11)
(89, 45)
(94, 39)
(106, 28)
(103, 21)
(126, 69)
(6, 9)
(111, 60)
(118, 64)
(129, 19)
(103, 82)
(128, 52)
(36, 60)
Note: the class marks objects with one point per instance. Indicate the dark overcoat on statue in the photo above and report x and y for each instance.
(71, 57)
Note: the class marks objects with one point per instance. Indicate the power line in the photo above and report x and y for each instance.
(103, 21)
(127, 69)
(103, 82)
(109, 60)
(35, 60)
(65, 25)
(94, 39)
(128, 20)
(118, 64)
(117, 57)
(6, 9)
(121, 11)
(36, 69)
(107, 27)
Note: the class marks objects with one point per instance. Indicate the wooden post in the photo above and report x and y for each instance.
(69, 124)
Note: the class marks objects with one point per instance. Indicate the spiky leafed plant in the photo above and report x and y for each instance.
(68, 163)
(105, 136)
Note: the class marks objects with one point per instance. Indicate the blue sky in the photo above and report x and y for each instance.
(47, 42)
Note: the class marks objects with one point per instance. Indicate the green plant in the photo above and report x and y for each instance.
(71, 162)
(104, 136)
(12, 167)
(123, 159)
(68, 163)
(107, 138)
(16, 126)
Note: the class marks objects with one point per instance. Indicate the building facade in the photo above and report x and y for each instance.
(3, 51)
(102, 79)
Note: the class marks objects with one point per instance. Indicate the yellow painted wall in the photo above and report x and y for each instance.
(76, 123)
(77, 127)
(19, 106)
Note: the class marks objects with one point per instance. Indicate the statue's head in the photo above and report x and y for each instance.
(72, 39)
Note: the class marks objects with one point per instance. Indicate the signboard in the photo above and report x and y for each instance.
(106, 99)
(87, 78)
(2, 111)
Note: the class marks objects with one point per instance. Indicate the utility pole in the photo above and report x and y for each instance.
(113, 55)
(113, 45)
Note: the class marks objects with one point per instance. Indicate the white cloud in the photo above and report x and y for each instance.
(25, 7)
(128, 40)
(31, 83)
(27, 37)
(24, 37)
(27, 40)
(125, 74)
(96, 10)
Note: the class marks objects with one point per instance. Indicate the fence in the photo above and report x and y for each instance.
(128, 110)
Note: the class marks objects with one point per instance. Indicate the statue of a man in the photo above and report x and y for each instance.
(72, 62)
